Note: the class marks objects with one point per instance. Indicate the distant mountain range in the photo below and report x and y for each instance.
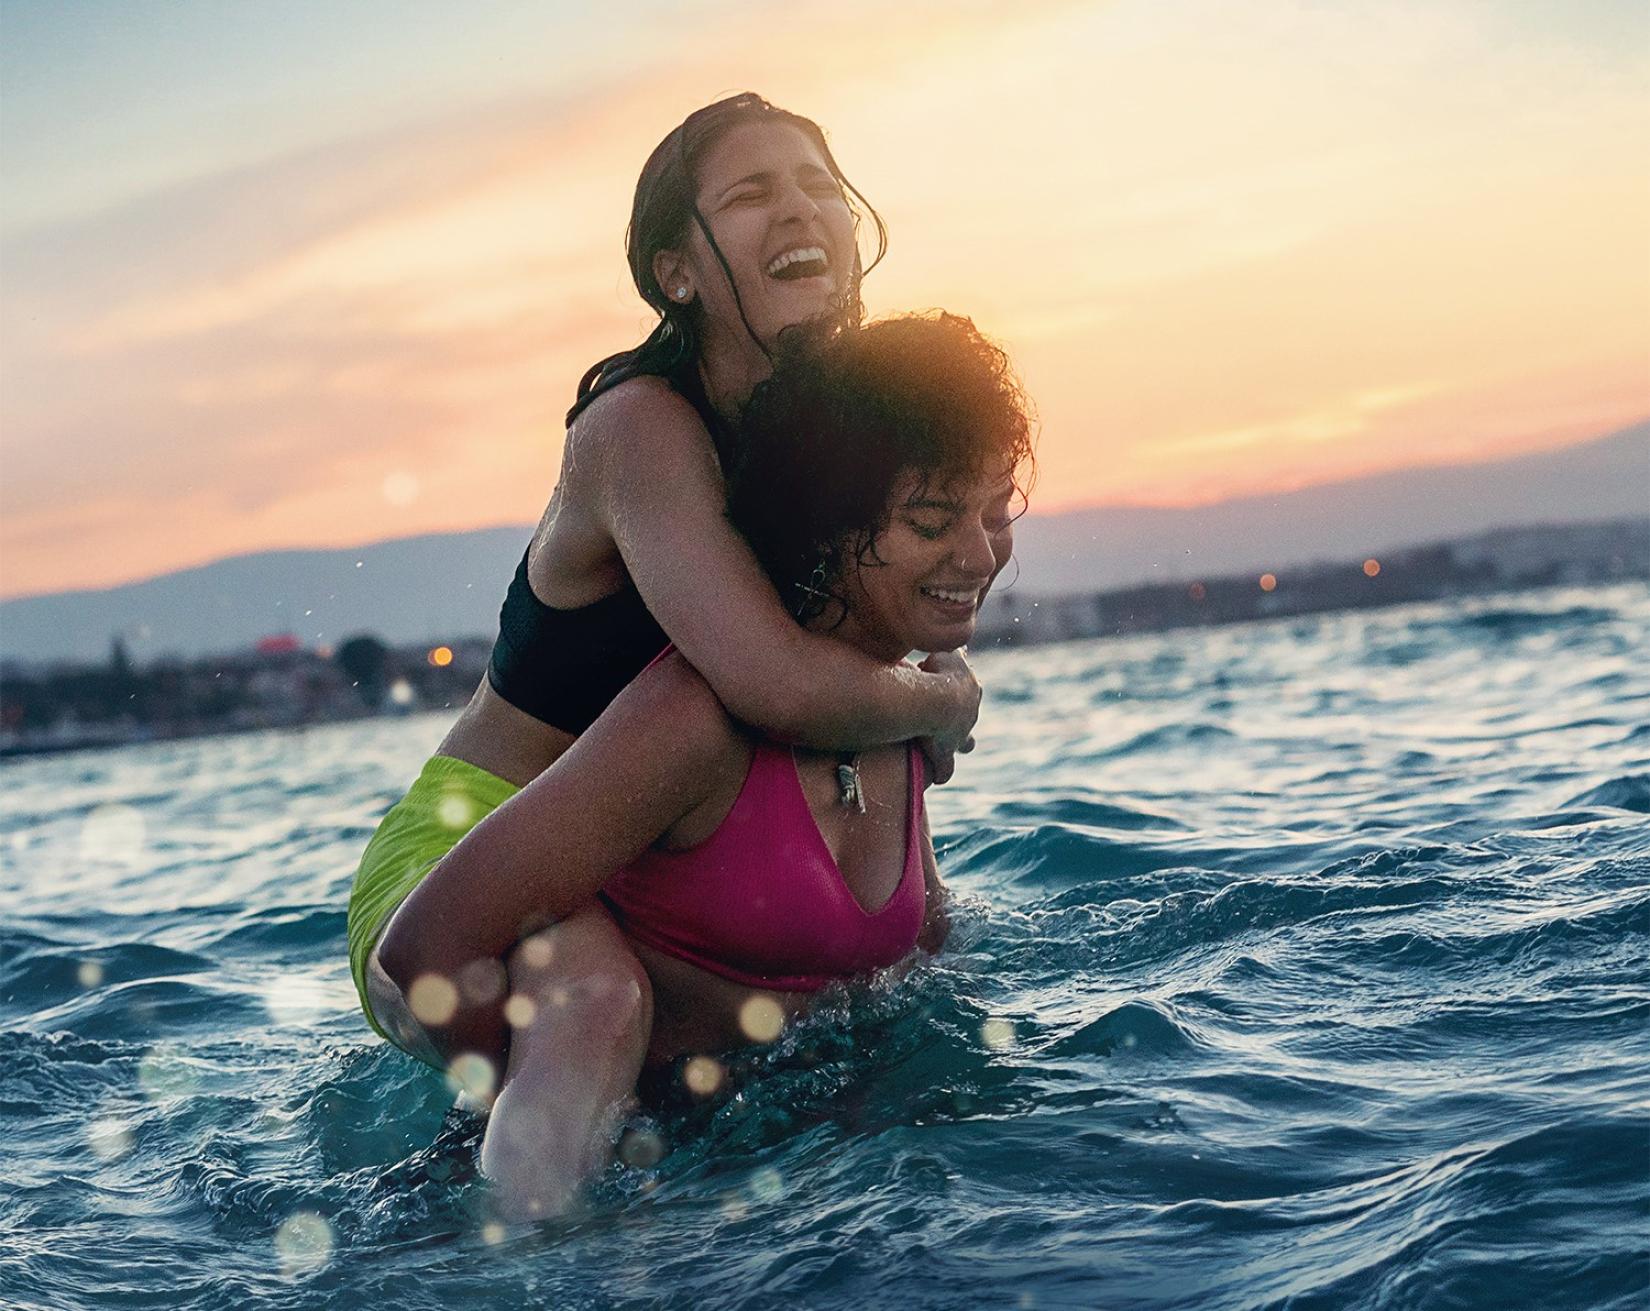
(450, 585)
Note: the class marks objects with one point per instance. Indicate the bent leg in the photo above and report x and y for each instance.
(581, 1010)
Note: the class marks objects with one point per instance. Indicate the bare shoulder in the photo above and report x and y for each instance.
(637, 410)
(683, 714)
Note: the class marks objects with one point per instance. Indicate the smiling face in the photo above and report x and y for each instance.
(782, 222)
(921, 587)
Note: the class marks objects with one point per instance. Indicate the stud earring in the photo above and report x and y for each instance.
(681, 293)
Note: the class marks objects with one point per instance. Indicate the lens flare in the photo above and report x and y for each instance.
(455, 811)
(997, 1034)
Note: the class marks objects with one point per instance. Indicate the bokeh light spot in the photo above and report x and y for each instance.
(482, 981)
(90, 974)
(163, 1073)
(997, 1034)
(1268, 582)
(303, 1243)
(702, 1075)
(642, 1149)
(734, 1207)
(455, 810)
(761, 1019)
(113, 834)
(767, 1185)
(1197, 591)
(432, 999)
(401, 488)
(441, 656)
(536, 952)
(520, 1011)
(109, 1138)
(472, 1075)
(492, 1233)
(1372, 567)
(298, 1000)
(401, 693)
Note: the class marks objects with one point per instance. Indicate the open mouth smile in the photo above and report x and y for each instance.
(800, 262)
(960, 597)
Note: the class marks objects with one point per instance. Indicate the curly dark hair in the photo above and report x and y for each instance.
(848, 411)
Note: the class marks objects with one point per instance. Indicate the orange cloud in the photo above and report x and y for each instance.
(1227, 255)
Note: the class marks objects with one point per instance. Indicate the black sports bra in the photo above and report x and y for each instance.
(563, 667)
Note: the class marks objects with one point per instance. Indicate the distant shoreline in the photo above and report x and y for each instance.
(86, 708)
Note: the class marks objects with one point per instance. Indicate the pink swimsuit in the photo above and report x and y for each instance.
(761, 901)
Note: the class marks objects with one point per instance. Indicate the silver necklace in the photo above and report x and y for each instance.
(851, 790)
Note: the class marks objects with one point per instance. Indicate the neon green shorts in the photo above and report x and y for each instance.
(448, 799)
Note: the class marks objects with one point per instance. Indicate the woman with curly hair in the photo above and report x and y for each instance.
(742, 225)
(875, 482)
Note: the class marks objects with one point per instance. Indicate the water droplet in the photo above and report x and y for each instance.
(432, 999)
(997, 1034)
(761, 1018)
(303, 1243)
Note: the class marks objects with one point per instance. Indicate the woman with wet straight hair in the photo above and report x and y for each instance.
(743, 225)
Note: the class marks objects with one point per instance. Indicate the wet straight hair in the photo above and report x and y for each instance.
(663, 213)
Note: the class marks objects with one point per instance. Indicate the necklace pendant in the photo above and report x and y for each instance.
(847, 781)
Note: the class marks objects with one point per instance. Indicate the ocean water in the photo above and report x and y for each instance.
(1297, 964)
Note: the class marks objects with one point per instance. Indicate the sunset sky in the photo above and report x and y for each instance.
(312, 274)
